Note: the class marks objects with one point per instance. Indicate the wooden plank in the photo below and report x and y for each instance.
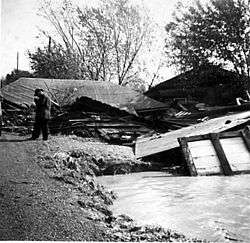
(208, 170)
(237, 154)
(239, 158)
(246, 137)
(197, 138)
(239, 168)
(110, 125)
(201, 148)
(205, 157)
(156, 144)
(234, 146)
(106, 124)
(208, 160)
(221, 155)
(187, 156)
(206, 136)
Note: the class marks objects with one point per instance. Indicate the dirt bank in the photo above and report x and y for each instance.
(48, 192)
(96, 158)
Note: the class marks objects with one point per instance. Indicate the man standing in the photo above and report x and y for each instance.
(43, 106)
(1, 120)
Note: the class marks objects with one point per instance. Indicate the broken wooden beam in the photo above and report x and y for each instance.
(110, 125)
(158, 143)
(214, 137)
(187, 156)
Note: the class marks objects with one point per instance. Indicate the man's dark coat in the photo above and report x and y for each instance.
(43, 106)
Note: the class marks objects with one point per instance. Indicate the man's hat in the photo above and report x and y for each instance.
(38, 90)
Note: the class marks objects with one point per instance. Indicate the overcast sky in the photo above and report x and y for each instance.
(20, 25)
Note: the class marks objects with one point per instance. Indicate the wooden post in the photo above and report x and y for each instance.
(226, 168)
(188, 157)
(246, 137)
(17, 61)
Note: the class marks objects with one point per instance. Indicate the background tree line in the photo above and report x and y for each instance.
(217, 32)
(113, 41)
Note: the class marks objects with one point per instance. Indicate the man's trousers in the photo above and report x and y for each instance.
(41, 124)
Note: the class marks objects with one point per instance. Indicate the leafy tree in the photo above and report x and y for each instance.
(15, 75)
(104, 41)
(217, 32)
(56, 62)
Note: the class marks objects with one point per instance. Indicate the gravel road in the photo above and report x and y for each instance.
(34, 206)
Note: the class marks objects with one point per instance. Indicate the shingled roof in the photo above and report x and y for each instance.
(21, 92)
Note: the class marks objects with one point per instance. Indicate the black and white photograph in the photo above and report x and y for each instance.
(125, 120)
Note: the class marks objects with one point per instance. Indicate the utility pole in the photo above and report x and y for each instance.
(49, 44)
(17, 61)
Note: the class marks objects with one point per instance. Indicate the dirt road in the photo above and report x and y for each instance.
(32, 205)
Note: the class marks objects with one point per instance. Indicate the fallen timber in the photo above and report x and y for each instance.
(146, 146)
(225, 153)
(183, 119)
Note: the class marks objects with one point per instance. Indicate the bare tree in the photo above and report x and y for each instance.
(130, 31)
(105, 40)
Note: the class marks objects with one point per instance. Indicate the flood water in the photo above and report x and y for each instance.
(215, 208)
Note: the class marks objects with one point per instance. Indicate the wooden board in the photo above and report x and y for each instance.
(204, 157)
(218, 153)
(156, 144)
(237, 154)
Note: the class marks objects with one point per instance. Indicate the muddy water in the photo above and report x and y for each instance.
(216, 208)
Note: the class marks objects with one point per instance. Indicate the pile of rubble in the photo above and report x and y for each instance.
(17, 120)
(113, 129)
(99, 120)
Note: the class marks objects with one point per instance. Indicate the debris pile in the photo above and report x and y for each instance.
(167, 141)
(114, 129)
(17, 120)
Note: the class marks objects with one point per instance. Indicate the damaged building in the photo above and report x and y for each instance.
(154, 128)
(207, 84)
(84, 107)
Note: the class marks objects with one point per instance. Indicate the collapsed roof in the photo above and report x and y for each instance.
(65, 92)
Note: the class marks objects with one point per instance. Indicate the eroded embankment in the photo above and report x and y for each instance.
(75, 162)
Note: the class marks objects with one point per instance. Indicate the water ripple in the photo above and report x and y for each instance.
(216, 208)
